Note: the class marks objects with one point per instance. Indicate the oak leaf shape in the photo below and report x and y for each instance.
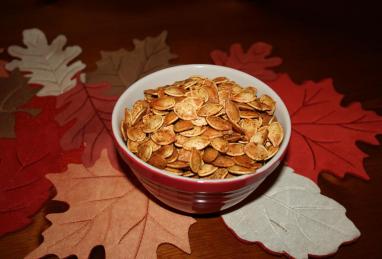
(107, 209)
(255, 61)
(14, 92)
(121, 68)
(24, 161)
(292, 217)
(324, 133)
(47, 64)
(87, 111)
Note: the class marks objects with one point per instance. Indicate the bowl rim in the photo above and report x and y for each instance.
(118, 139)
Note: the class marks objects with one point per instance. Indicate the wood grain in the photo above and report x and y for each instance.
(316, 41)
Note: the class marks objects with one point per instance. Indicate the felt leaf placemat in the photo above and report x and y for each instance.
(25, 160)
(88, 112)
(14, 92)
(255, 61)
(122, 67)
(47, 63)
(293, 218)
(107, 209)
(324, 133)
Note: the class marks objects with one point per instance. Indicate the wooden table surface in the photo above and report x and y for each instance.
(342, 41)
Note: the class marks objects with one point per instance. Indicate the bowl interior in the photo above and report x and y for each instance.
(176, 73)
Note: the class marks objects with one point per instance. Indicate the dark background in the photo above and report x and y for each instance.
(316, 39)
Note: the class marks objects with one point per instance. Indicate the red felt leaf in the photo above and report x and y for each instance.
(255, 61)
(25, 160)
(89, 111)
(324, 133)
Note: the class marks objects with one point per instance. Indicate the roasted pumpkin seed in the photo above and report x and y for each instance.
(203, 129)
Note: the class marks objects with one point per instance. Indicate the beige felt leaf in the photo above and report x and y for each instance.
(121, 68)
(48, 64)
(293, 217)
(14, 93)
(107, 209)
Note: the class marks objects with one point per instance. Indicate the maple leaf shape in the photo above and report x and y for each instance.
(323, 132)
(254, 62)
(107, 209)
(293, 217)
(89, 112)
(48, 64)
(121, 68)
(25, 160)
(14, 92)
